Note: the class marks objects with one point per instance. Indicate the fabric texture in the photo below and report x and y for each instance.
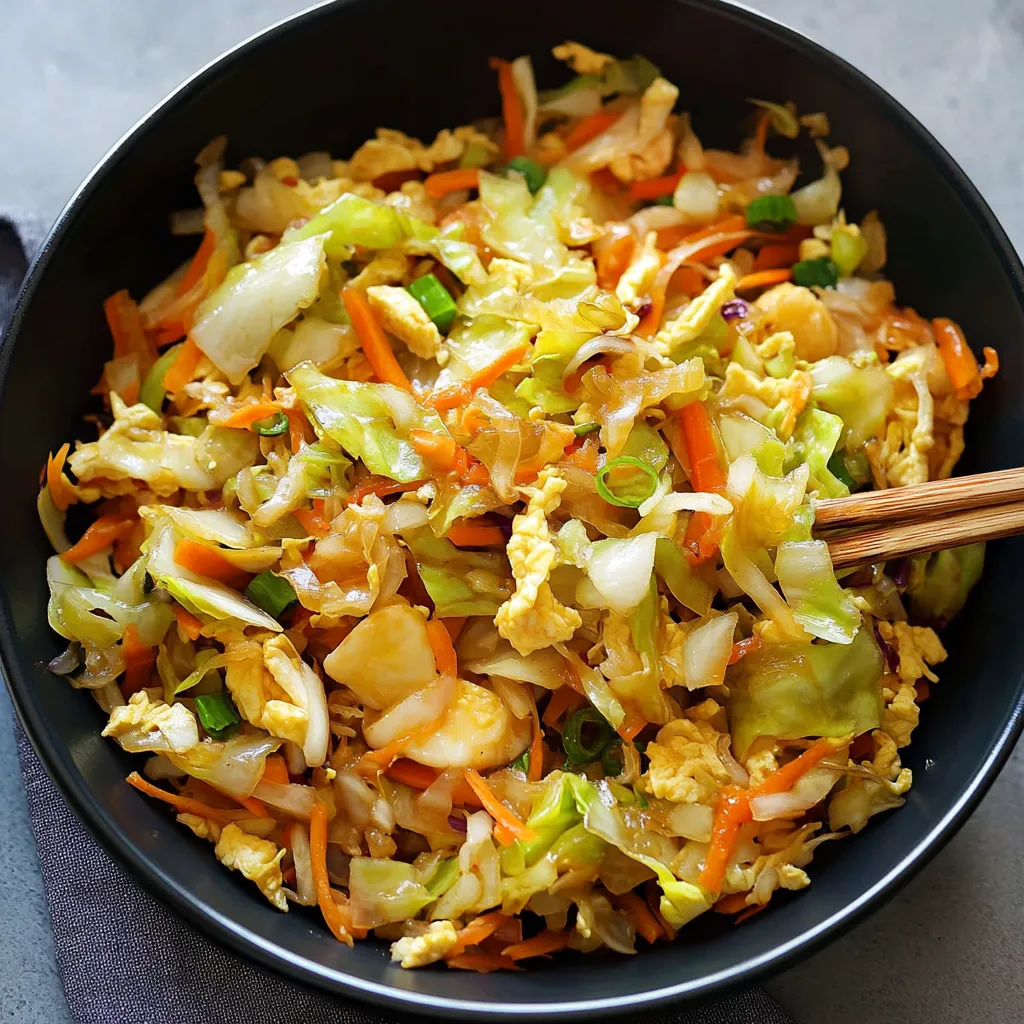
(123, 957)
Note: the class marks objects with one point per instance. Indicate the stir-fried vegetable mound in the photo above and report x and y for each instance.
(450, 549)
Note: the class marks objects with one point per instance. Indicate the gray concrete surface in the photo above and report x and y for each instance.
(75, 74)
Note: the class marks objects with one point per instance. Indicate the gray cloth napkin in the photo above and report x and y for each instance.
(123, 957)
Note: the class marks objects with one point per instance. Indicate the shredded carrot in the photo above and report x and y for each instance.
(511, 110)
(440, 184)
(482, 962)
(497, 810)
(253, 806)
(61, 492)
(419, 776)
(563, 701)
(476, 473)
(642, 919)
(590, 127)
(772, 256)
(632, 725)
(606, 182)
(470, 535)
(125, 323)
(734, 903)
(204, 561)
(962, 367)
(655, 188)
(374, 341)
(688, 281)
(245, 417)
(540, 945)
(382, 487)
(183, 369)
(438, 449)
(705, 474)
(299, 429)
(182, 804)
(763, 278)
(489, 374)
(613, 260)
(783, 779)
(742, 648)
(99, 536)
(275, 769)
(445, 659)
(338, 920)
(477, 930)
(139, 659)
(312, 523)
(199, 263)
(535, 772)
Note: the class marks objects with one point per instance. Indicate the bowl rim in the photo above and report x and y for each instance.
(267, 954)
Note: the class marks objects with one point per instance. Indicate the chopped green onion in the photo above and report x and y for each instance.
(610, 764)
(837, 467)
(152, 392)
(272, 426)
(271, 593)
(632, 488)
(476, 155)
(771, 213)
(522, 762)
(586, 428)
(849, 247)
(443, 877)
(532, 171)
(822, 273)
(435, 299)
(668, 200)
(576, 751)
(217, 713)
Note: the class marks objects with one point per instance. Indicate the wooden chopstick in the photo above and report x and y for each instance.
(920, 501)
(926, 534)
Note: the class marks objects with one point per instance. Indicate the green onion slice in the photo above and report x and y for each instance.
(271, 593)
(771, 213)
(435, 299)
(576, 750)
(534, 174)
(821, 273)
(152, 392)
(272, 426)
(586, 428)
(632, 479)
(522, 762)
(217, 713)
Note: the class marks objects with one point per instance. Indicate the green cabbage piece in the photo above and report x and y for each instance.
(939, 587)
(234, 766)
(474, 344)
(198, 595)
(237, 323)
(383, 891)
(552, 351)
(370, 421)
(793, 691)
(860, 397)
(352, 220)
(815, 438)
(647, 445)
(582, 95)
(446, 572)
(819, 604)
(685, 582)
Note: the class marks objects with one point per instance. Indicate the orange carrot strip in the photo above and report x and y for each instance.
(373, 762)
(477, 930)
(497, 810)
(61, 491)
(775, 255)
(705, 473)
(438, 449)
(339, 921)
(742, 648)
(535, 772)
(487, 375)
(958, 358)
(688, 281)
(275, 769)
(419, 776)
(590, 127)
(613, 260)
(255, 807)
(298, 428)
(245, 417)
(312, 523)
(606, 182)
(204, 561)
(469, 535)
(482, 962)
(445, 659)
(182, 804)
(784, 778)
(564, 699)
(734, 903)
(187, 622)
(655, 188)
(440, 184)
(99, 535)
(643, 920)
(372, 338)
(382, 487)
(763, 278)
(199, 263)
(183, 369)
(125, 323)
(631, 726)
(139, 659)
(540, 945)
(511, 110)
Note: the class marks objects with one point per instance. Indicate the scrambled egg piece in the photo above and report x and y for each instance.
(901, 715)
(144, 714)
(858, 798)
(203, 828)
(257, 859)
(685, 763)
(420, 950)
(783, 869)
(532, 618)
(917, 647)
(260, 698)
(789, 307)
(394, 151)
(623, 664)
(950, 415)
(383, 269)
(783, 398)
(694, 319)
(136, 448)
(650, 152)
(760, 764)
(401, 315)
(582, 59)
(901, 457)
(638, 277)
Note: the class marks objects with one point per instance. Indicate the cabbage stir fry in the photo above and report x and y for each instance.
(449, 548)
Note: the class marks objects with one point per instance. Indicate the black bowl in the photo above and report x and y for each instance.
(327, 79)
